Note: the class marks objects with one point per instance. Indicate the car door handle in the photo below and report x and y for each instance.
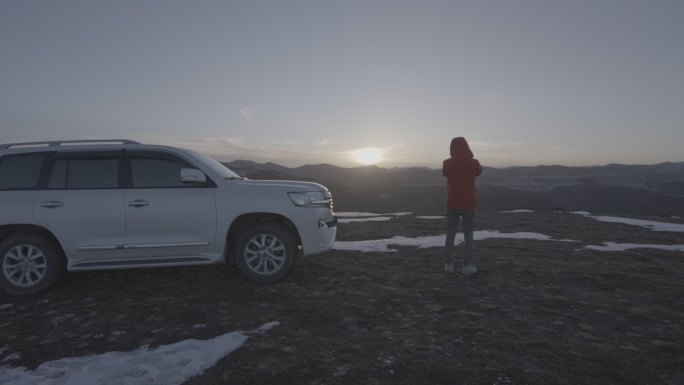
(51, 204)
(138, 203)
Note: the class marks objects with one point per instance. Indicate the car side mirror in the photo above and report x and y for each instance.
(193, 176)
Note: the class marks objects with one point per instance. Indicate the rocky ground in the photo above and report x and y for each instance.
(543, 312)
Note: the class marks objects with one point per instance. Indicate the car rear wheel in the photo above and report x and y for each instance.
(265, 253)
(29, 263)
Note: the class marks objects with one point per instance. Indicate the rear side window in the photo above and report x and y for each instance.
(83, 172)
(21, 172)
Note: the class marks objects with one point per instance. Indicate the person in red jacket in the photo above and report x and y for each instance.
(460, 170)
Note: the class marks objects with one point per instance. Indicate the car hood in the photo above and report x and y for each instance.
(290, 185)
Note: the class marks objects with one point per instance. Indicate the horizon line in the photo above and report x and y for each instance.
(379, 166)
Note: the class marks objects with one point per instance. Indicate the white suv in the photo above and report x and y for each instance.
(113, 204)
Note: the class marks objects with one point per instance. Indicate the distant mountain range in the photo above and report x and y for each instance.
(624, 189)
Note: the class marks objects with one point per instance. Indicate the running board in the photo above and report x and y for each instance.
(142, 246)
(141, 262)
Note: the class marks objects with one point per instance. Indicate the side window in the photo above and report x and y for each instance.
(58, 175)
(84, 172)
(21, 172)
(156, 170)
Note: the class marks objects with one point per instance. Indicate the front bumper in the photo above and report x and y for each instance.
(326, 239)
(322, 238)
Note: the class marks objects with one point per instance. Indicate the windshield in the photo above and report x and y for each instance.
(215, 166)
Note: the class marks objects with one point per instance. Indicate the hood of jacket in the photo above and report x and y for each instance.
(460, 149)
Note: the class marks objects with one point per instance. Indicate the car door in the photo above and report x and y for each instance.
(164, 216)
(83, 204)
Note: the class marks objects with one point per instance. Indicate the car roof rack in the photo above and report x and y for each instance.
(54, 143)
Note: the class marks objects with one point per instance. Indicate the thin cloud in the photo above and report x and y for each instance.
(290, 153)
(208, 145)
(232, 148)
(506, 154)
(494, 145)
(247, 113)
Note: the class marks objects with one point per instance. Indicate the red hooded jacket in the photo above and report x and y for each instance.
(461, 170)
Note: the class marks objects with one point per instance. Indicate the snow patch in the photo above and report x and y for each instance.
(653, 225)
(357, 214)
(518, 211)
(365, 219)
(11, 357)
(383, 245)
(266, 327)
(612, 246)
(167, 364)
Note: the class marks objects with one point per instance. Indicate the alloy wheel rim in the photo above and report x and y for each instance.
(24, 265)
(265, 254)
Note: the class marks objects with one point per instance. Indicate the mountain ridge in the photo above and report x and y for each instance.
(614, 188)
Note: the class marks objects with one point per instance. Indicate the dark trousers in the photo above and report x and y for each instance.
(453, 219)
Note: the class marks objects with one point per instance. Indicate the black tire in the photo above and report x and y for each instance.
(29, 264)
(264, 253)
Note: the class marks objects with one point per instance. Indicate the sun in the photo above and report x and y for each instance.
(367, 156)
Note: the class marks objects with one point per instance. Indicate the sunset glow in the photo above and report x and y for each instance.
(367, 156)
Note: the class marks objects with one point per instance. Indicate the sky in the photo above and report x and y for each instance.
(352, 82)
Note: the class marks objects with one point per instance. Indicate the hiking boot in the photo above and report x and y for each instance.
(448, 267)
(469, 269)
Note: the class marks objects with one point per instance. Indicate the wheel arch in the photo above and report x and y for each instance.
(246, 220)
(9, 230)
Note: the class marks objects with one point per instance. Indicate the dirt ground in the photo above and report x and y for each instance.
(541, 312)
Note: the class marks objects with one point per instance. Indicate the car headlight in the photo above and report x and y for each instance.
(310, 198)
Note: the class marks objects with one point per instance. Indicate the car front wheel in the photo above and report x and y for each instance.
(265, 253)
(29, 263)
